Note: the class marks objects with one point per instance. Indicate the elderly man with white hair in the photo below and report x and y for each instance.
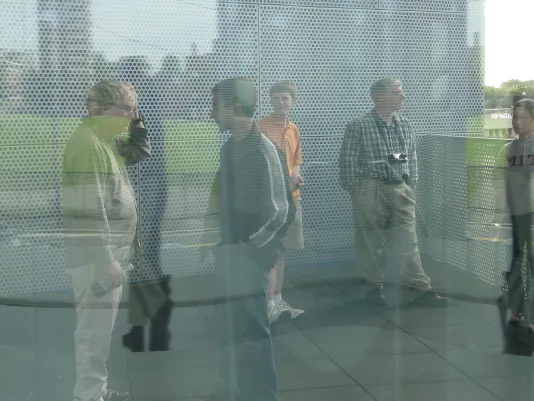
(100, 222)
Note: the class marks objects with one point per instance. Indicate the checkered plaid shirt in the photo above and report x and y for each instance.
(366, 145)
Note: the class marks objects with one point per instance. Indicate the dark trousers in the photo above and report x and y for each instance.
(519, 281)
(246, 362)
(152, 298)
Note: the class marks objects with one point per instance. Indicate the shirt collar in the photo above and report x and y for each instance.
(378, 119)
(272, 120)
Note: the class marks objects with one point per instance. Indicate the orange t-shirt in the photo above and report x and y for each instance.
(287, 137)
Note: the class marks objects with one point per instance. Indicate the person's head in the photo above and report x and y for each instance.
(523, 117)
(388, 95)
(233, 100)
(283, 98)
(112, 98)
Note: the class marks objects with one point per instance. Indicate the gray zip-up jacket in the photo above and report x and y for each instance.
(513, 177)
(251, 197)
(99, 207)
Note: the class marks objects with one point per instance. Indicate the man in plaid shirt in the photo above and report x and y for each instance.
(378, 167)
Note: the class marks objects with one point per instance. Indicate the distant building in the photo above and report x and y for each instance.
(65, 54)
(12, 68)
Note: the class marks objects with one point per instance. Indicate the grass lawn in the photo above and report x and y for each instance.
(33, 144)
(480, 158)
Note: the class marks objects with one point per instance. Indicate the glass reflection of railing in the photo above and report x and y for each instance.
(499, 113)
(498, 123)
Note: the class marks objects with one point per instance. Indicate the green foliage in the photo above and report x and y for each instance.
(502, 96)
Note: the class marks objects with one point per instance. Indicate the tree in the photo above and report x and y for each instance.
(134, 69)
(103, 68)
(171, 67)
(511, 84)
(507, 93)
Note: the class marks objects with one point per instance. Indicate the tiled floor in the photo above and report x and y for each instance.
(339, 350)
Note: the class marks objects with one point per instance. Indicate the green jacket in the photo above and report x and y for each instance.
(99, 206)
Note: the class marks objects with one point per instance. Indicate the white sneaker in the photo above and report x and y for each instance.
(274, 312)
(283, 306)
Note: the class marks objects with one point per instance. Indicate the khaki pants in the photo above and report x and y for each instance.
(95, 320)
(384, 210)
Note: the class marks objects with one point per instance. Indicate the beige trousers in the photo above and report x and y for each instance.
(384, 210)
(95, 320)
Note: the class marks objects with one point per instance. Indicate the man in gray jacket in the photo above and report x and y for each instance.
(255, 207)
(100, 222)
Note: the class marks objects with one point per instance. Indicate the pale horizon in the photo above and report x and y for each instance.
(508, 41)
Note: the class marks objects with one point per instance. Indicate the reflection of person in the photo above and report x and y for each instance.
(378, 167)
(149, 301)
(256, 206)
(515, 164)
(285, 134)
(100, 220)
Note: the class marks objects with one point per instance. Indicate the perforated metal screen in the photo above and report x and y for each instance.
(51, 51)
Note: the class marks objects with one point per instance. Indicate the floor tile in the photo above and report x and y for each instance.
(315, 297)
(369, 370)
(296, 374)
(483, 311)
(191, 340)
(382, 340)
(290, 342)
(59, 319)
(169, 360)
(439, 391)
(478, 336)
(51, 390)
(347, 393)
(170, 384)
(56, 371)
(511, 388)
(480, 364)
(17, 327)
(18, 376)
(187, 319)
(332, 316)
(415, 317)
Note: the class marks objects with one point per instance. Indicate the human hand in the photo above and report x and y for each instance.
(297, 181)
(108, 278)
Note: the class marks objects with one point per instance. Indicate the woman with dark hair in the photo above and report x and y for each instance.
(515, 165)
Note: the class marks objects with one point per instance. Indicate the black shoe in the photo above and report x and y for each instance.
(432, 298)
(111, 395)
(518, 340)
(160, 336)
(376, 297)
(160, 339)
(135, 339)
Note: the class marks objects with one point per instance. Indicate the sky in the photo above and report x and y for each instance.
(157, 28)
(508, 41)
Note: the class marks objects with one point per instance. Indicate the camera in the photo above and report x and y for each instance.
(397, 158)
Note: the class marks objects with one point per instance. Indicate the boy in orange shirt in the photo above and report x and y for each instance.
(285, 134)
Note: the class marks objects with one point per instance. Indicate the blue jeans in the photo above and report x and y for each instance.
(246, 361)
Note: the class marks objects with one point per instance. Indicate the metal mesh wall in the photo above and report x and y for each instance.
(333, 50)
